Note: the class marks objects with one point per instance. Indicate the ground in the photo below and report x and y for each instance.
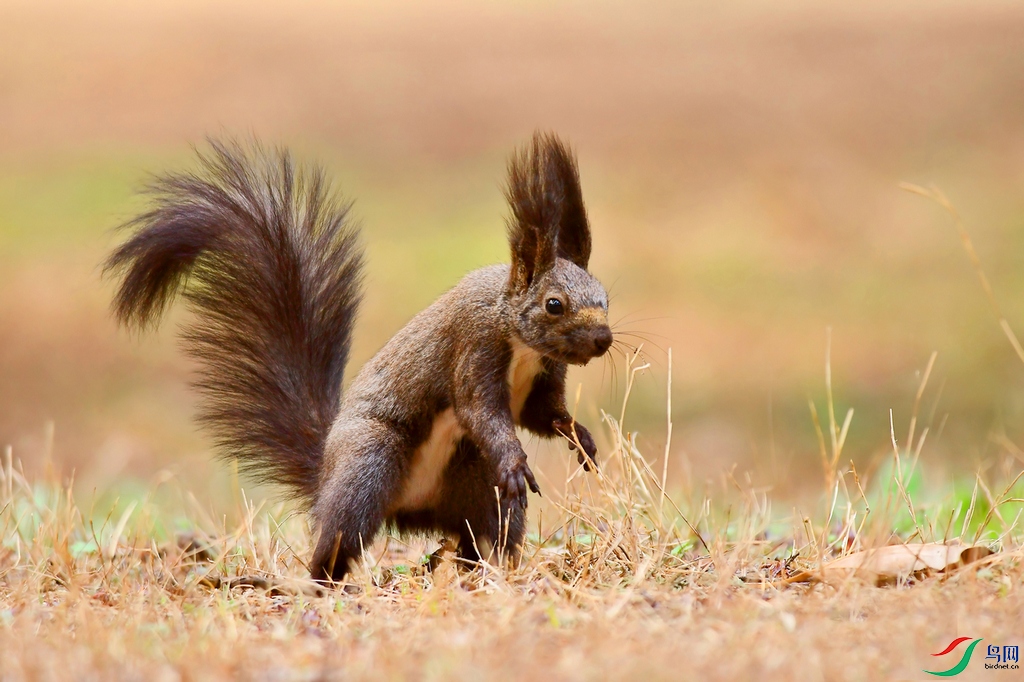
(618, 585)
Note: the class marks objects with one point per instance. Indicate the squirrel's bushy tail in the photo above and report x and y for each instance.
(272, 270)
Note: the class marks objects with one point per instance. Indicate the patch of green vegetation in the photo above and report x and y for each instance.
(65, 205)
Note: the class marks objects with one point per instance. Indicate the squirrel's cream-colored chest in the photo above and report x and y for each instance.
(523, 369)
(423, 481)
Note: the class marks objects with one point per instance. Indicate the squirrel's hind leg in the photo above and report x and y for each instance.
(470, 509)
(363, 465)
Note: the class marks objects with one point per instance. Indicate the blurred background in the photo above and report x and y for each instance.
(741, 166)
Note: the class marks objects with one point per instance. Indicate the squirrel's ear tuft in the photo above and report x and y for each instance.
(548, 217)
(573, 238)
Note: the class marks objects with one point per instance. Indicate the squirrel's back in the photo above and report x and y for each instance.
(412, 371)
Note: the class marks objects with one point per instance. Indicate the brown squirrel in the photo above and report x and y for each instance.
(426, 433)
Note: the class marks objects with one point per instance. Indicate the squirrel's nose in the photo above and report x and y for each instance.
(602, 339)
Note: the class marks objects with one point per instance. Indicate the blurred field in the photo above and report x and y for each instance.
(741, 166)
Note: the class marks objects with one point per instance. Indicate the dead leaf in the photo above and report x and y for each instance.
(288, 587)
(889, 564)
(442, 566)
(187, 546)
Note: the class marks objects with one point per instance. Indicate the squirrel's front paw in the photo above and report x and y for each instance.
(566, 428)
(513, 482)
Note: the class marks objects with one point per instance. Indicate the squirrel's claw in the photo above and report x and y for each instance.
(531, 481)
(588, 456)
(514, 482)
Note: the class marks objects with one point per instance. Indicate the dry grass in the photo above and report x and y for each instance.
(619, 585)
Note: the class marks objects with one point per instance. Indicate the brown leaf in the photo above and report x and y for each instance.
(290, 587)
(885, 565)
(187, 546)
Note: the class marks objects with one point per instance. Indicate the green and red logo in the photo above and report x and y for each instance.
(964, 660)
(1005, 657)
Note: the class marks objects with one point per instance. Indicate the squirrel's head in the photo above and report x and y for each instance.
(560, 309)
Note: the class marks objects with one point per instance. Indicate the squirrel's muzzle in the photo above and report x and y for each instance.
(601, 338)
(595, 336)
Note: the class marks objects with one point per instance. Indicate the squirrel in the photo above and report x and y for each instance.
(424, 438)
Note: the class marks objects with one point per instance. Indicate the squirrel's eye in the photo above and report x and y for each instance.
(554, 306)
